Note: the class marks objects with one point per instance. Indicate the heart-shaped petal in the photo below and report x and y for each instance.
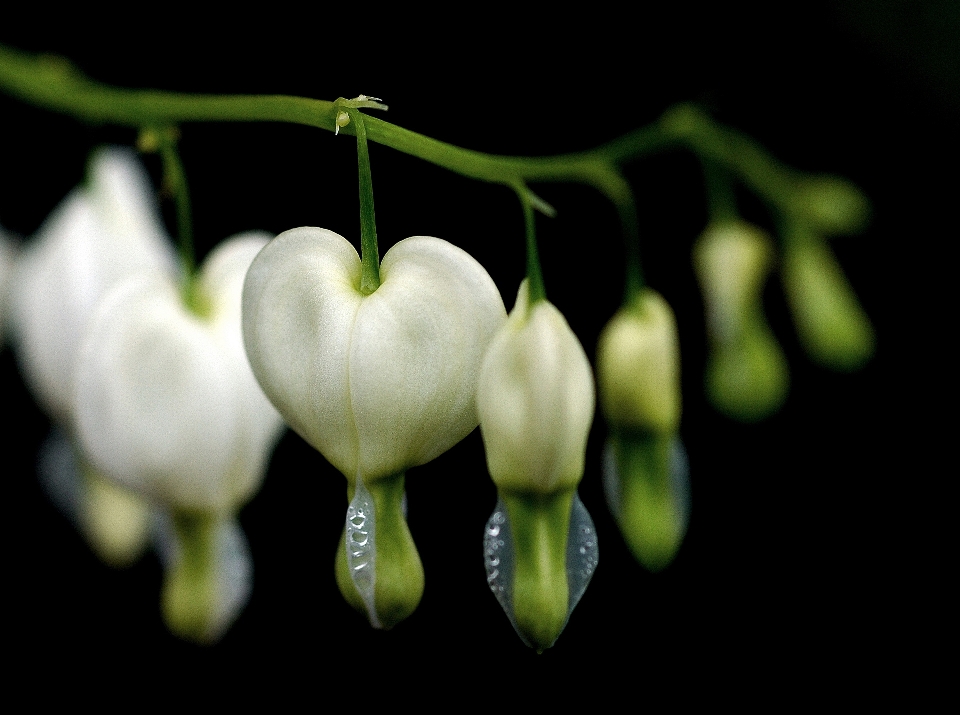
(377, 383)
(166, 403)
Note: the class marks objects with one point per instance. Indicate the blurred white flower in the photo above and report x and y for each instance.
(166, 402)
(100, 233)
(167, 406)
(104, 230)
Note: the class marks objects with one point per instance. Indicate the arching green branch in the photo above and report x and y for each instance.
(54, 84)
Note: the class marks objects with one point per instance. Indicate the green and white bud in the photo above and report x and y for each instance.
(747, 376)
(536, 400)
(638, 367)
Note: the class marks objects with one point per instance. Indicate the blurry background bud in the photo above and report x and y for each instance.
(114, 521)
(638, 366)
(747, 376)
(638, 371)
(831, 205)
(831, 324)
(647, 485)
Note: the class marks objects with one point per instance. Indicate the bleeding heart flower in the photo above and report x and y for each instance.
(377, 383)
(104, 231)
(167, 406)
(166, 402)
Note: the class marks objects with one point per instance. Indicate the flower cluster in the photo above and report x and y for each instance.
(158, 404)
(168, 385)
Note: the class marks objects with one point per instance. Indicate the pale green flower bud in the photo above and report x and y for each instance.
(535, 399)
(638, 367)
(746, 375)
(831, 324)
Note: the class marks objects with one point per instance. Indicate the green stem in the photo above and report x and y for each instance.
(535, 287)
(175, 181)
(721, 201)
(56, 85)
(541, 597)
(369, 251)
(188, 598)
(735, 152)
(622, 196)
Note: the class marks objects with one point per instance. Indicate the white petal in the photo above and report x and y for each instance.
(300, 301)
(167, 403)
(155, 409)
(376, 383)
(536, 399)
(93, 239)
(416, 353)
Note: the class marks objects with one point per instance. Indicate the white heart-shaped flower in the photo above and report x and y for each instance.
(166, 402)
(377, 383)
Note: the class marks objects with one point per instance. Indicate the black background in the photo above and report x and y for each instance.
(803, 527)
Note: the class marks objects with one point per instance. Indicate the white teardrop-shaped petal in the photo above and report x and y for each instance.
(376, 383)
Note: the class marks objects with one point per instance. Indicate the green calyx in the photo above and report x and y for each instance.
(650, 485)
(748, 379)
(397, 570)
(189, 596)
(540, 525)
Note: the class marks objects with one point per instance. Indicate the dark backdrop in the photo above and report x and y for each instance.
(801, 526)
